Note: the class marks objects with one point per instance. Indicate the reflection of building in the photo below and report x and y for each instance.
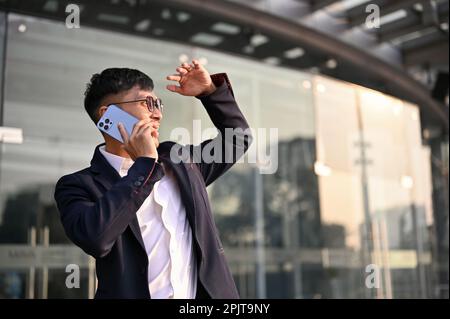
(402, 250)
(333, 236)
(439, 168)
(32, 207)
(295, 235)
(291, 197)
(30, 218)
(292, 219)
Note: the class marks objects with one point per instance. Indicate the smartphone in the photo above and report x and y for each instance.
(112, 117)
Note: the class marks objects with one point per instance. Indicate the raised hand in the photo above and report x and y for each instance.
(193, 80)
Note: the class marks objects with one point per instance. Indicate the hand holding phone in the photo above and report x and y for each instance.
(140, 143)
(113, 115)
(135, 135)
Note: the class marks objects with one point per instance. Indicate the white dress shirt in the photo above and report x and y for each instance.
(167, 235)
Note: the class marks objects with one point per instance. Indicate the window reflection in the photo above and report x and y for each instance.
(353, 185)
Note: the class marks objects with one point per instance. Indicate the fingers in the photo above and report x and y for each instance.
(174, 88)
(187, 66)
(148, 133)
(146, 129)
(143, 128)
(182, 70)
(138, 126)
(123, 133)
(197, 64)
(155, 133)
(174, 77)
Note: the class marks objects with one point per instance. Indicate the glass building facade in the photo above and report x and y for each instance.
(353, 196)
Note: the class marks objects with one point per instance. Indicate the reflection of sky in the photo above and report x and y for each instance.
(393, 135)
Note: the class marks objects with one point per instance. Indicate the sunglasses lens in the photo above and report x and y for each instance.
(151, 104)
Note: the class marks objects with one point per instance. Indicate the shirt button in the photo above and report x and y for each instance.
(137, 183)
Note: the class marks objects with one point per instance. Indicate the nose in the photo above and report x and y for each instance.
(156, 114)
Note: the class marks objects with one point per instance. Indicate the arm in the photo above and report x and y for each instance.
(217, 96)
(234, 136)
(94, 226)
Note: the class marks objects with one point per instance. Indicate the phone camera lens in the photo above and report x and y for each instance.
(107, 121)
(106, 127)
(100, 124)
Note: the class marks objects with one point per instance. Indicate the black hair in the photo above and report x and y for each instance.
(112, 81)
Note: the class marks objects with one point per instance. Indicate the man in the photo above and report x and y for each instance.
(140, 210)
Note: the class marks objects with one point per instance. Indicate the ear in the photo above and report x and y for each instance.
(102, 109)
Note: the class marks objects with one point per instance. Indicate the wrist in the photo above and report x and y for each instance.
(152, 156)
(211, 89)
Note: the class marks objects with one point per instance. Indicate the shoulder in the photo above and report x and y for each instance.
(78, 177)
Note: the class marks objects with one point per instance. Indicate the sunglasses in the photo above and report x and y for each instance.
(151, 103)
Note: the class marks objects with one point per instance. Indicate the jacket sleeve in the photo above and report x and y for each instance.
(234, 136)
(94, 226)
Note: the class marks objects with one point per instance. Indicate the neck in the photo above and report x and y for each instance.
(114, 147)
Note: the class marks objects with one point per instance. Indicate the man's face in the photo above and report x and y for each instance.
(138, 109)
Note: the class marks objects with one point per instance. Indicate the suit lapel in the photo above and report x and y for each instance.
(107, 176)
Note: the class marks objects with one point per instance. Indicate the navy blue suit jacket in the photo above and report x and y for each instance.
(98, 208)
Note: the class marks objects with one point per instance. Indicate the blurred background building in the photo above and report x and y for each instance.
(361, 111)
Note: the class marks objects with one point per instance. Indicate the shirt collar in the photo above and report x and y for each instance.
(119, 163)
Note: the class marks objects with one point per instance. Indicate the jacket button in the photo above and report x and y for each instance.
(137, 183)
(141, 178)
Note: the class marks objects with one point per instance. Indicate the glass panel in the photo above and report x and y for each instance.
(340, 188)
(352, 188)
(399, 191)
